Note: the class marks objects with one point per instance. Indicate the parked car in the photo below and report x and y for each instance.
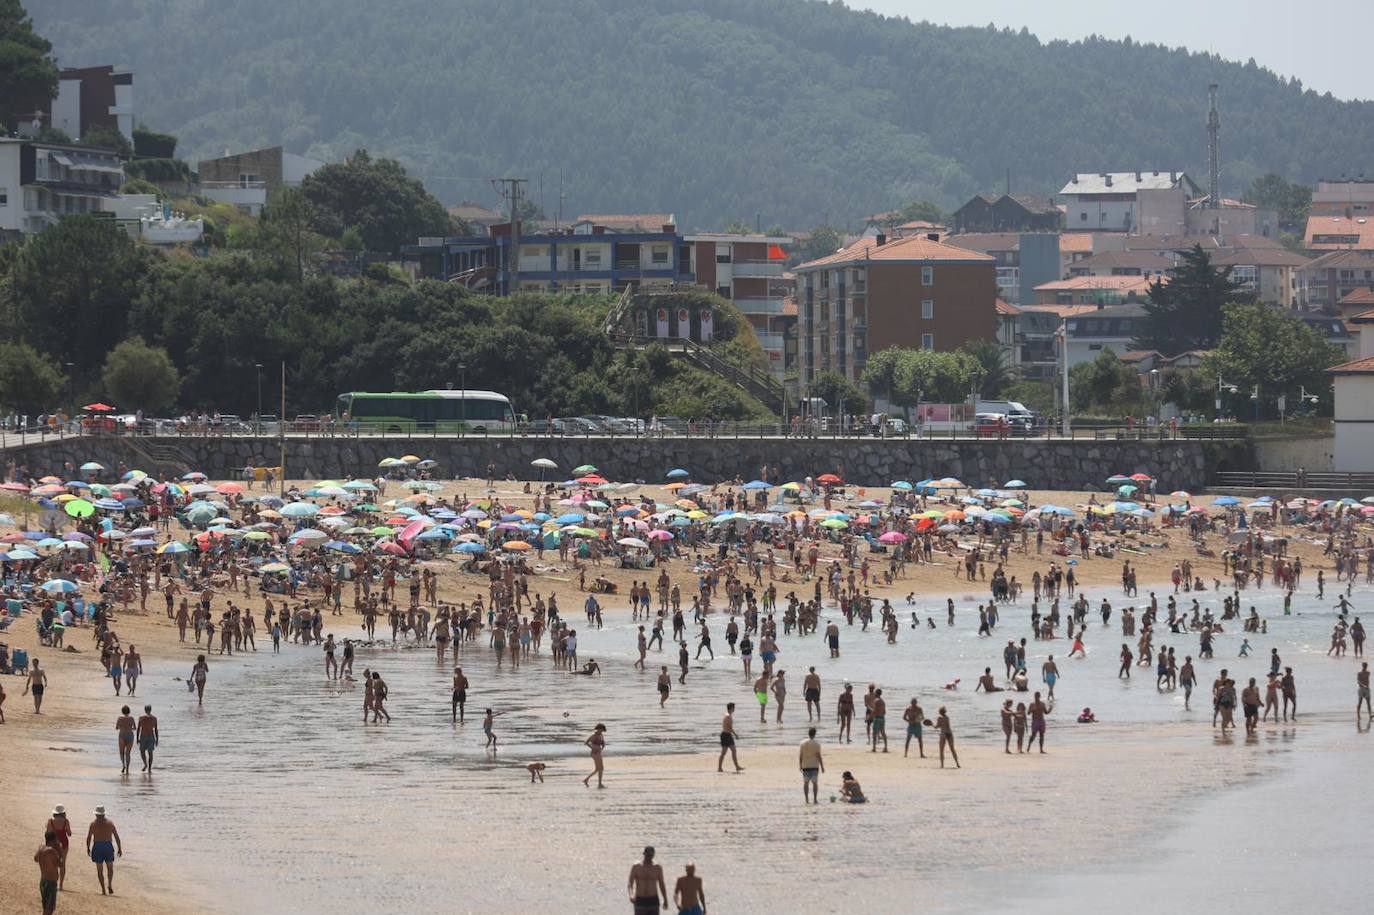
(267, 424)
(306, 422)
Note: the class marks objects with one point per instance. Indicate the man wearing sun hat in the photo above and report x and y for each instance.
(103, 844)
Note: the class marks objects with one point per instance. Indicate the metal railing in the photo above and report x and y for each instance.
(569, 429)
(1357, 482)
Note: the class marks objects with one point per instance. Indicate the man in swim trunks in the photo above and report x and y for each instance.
(125, 726)
(811, 690)
(47, 859)
(878, 726)
(103, 844)
(1050, 672)
(915, 717)
(37, 683)
(665, 685)
(761, 694)
(1038, 710)
(460, 695)
(727, 739)
(689, 894)
(646, 885)
(1362, 688)
(811, 765)
(148, 737)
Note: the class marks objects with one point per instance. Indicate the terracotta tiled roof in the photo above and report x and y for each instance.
(1006, 308)
(1339, 233)
(627, 222)
(1362, 296)
(1121, 283)
(1140, 355)
(911, 248)
(1358, 367)
(1076, 243)
(1364, 317)
(1063, 311)
(1143, 260)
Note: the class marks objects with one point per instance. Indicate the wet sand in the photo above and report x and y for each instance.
(277, 799)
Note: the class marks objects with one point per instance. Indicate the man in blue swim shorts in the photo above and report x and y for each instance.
(103, 845)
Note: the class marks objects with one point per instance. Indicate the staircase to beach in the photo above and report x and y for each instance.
(759, 384)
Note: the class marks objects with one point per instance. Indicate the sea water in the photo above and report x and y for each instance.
(275, 797)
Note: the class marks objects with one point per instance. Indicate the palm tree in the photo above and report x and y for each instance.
(991, 356)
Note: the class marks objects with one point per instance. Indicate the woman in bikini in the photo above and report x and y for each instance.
(596, 743)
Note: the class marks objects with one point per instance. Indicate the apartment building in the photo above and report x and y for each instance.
(247, 179)
(1008, 213)
(42, 182)
(1111, 201)
(1024, 260)
(1324, 281)
(1095, 291)
(1123, 263)
(88, 99)
(878, 292)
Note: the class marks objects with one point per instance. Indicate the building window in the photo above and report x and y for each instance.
(1082, 217)
(723, 291)
(660, 254)
(722, 257)
(4, 196)
(927, 309)
(927, 341)
(927, 276)
(247, 180)
(1094, 347)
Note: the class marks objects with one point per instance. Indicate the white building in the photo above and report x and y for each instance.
(42, 182)
(1354, 383)
(1110, 201)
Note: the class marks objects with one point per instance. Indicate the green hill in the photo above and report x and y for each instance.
(789, 110)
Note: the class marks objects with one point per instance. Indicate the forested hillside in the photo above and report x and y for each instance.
(789, 110)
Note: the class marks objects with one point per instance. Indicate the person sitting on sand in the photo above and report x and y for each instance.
(589, 669)
(850, 792)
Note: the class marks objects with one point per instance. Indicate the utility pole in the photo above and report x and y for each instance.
(1213, 150)
(1063, 335)
(511, 191)
(281, 436)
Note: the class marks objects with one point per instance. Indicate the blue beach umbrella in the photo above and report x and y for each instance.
(677, 473)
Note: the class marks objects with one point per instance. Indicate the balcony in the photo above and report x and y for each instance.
(761, 269)
(760, 305)
(769, 340)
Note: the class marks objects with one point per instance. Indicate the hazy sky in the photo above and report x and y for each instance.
(1292, 39)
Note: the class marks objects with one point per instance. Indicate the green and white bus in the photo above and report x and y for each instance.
(442, 411)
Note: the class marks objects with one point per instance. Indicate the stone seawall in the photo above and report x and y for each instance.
(1080, 464)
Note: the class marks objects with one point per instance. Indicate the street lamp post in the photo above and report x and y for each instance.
(462, 397)
(71, 389)
(257, 420)
(1154, 395)
(1223, 386)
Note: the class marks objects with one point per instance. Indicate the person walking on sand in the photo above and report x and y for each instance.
(665, 685)
(946, 738)
(125, 727)
(646, 885)
(812, 765)
(761, 694)
(811, 691)
(103, 845)
(727, 739)
(61, 827)
(779, 689)
(915, 719)
(460, 695)
(688, 894)
(487, 721)
(1038, 710)
(596, 743)
(37, 683)
(48, 858)
(199, 671)
(148, 737)
(1362, 690)
(844, 712)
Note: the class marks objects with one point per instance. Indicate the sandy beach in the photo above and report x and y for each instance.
(274, 798)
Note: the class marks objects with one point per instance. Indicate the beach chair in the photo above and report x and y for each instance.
(20, 664)
(874, 545)
(14, 607)
(5, 622)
